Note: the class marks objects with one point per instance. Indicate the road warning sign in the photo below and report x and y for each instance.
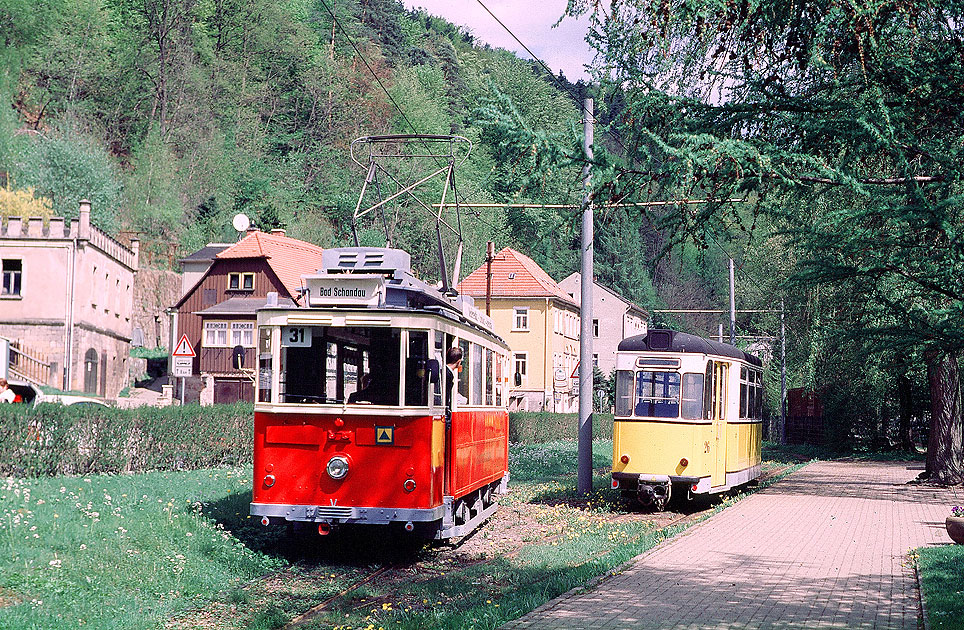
(184, 348)
(384, 435)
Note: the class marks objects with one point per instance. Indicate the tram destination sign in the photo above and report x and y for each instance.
(345, 289)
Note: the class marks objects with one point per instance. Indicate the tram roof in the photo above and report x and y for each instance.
(381, 279)
(666, 340)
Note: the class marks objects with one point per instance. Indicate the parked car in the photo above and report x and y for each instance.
(30, 394)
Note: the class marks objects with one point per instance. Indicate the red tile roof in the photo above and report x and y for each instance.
(530, 280)
(288, 257)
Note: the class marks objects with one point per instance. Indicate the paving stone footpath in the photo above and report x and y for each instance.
(826, 547)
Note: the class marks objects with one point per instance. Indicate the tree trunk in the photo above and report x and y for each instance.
(945, 447)
(905, 412)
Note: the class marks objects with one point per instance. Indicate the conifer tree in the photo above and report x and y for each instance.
(853, 112)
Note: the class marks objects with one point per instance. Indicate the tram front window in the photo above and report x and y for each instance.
(624, 393)
(657, 394)
(693, 396)
(325, 365)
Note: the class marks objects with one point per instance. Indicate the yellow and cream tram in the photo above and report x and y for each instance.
(688, 416)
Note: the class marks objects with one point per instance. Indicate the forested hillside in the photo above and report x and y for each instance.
(174, 115)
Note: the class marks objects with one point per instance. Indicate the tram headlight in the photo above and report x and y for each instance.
(337, 467)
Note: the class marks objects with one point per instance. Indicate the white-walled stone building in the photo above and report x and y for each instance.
(614, 318)
(67, 296)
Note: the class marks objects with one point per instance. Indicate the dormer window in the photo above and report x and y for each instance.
(511, 275)
(240, 282)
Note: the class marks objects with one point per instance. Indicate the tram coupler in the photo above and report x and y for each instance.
(324, 529)
(656, 494)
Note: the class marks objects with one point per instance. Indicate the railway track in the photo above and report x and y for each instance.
(392, 579)
(425, 569)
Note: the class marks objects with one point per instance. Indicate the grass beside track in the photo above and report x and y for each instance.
(177, 550)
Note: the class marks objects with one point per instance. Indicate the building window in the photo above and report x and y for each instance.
(595, 328)
(228, 334)
(521, 360)
(215, 334)
(521, 318)
(12, 274)
(595, 360)
(242, 334)
(241, 282)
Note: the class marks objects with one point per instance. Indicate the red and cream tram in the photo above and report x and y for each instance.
(353, 420)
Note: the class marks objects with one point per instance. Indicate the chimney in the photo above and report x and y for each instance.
(135, 249)
(84, 220)
(277, 232)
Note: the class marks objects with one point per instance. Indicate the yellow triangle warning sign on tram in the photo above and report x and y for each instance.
(384, 435)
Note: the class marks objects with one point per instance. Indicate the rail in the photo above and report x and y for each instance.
(28, 365)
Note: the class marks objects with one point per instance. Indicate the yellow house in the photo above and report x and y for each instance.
(539, 321)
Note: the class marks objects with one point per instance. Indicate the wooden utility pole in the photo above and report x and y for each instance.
(732, 305)
(584, 468)
(489, 254)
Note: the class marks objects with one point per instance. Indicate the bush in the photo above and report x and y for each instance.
(57, 440)
(54, 440)
(539, 427)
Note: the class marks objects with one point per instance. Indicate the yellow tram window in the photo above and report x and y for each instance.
(657, 394)
(693, 396)
(745, 410)
(624, 393)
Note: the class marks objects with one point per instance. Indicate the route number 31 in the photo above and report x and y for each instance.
(295, 337)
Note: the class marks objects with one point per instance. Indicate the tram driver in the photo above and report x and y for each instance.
(365, 393)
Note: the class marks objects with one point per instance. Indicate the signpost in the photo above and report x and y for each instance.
(183, 361)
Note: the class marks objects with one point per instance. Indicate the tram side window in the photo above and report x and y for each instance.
(439, 354)
(264, 365)
(693, 396)
(758, 410)
(476, 374)
(657, 394)
(464, 373)
(488, 377)
(709, 393)
(416, 369)
(499, 361)
(624, 393)
(751, 396)
(744, 393)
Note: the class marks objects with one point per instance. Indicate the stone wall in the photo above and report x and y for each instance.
(154, 291)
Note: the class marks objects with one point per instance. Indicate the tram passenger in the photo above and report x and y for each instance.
(7, 395)
(365, 393)
(453, 365)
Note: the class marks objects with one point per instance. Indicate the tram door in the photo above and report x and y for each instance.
(719, 421)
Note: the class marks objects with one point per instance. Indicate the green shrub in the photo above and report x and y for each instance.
(53, 439)
(57, 440)
(539, 427)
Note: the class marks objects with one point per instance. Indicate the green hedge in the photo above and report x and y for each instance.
(55, 440)
(539, 427)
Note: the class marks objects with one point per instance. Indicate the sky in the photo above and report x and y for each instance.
(561, 48)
